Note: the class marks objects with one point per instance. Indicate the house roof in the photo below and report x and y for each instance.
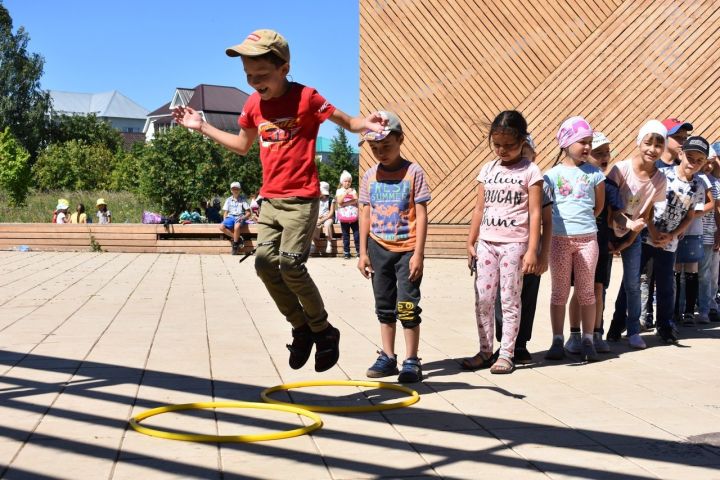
(107, 104)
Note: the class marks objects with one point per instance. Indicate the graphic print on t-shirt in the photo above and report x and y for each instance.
(279, 130)
(391, 203)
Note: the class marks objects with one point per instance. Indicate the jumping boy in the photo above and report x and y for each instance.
(393, 228)
(286, 116)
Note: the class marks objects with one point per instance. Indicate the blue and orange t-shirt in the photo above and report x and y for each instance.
(287, 130)
(392, 196)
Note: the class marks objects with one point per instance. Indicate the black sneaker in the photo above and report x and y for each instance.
(384, 366)
(667, 335)
(327, 348)
(241, 242)
(688, 320)
(235, 248)
(589, 354)
(346, 256)
(522, 356)
(301, 346)
(411, 371)
(713, 316)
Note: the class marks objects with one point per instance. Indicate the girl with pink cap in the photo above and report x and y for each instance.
(579, 190)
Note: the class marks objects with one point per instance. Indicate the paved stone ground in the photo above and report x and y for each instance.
(88, 339)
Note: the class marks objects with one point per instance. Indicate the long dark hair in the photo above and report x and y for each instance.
(510, 122)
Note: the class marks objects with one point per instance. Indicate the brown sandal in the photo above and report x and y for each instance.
(476, 362)
(503, 366)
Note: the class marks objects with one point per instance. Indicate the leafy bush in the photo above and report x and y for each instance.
(74, 165)
(14, 168)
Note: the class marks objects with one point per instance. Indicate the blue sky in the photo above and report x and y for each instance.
(145, 49)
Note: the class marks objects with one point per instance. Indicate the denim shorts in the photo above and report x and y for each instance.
(690, 249)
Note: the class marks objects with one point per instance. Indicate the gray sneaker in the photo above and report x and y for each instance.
(574, 343)
(601, 346)
(636, 342)
(556, 351)
(588, 351)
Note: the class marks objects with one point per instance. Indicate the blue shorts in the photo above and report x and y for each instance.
(230, 222)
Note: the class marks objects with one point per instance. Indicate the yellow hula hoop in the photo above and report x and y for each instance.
(194, 437)
(414, 396)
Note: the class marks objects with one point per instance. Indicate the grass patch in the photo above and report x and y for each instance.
(126, 207)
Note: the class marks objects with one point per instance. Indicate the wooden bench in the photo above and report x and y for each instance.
(444, 241)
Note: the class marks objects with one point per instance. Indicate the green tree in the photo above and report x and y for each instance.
(85, 128)
(247, 170)
(128, 167)
(74, 165)
(341, 154)
(180, 168)
(23, 104)
(14, 167)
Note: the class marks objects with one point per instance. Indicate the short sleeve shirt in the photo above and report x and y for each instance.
(236, 208)
(574, 207)
(637, 195)
(392, 196)
(681, 197)
(506, 217)
(287, 130)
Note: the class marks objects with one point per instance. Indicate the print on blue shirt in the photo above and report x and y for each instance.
(391, 201)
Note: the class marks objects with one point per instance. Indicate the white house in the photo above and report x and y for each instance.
(113, 107)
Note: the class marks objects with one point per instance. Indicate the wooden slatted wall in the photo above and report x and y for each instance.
(447, 67)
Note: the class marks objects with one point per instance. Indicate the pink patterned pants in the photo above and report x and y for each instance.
(573, 256)
(498, 264)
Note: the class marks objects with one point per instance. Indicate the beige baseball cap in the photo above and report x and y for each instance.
(261, 42)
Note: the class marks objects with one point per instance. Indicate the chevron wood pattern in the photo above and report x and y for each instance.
(447, 67)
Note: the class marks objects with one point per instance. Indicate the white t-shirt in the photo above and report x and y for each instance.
(61, 218)
(104, 217)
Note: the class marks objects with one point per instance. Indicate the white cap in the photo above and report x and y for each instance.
(234, 185)
(599, 139)
(714, 150)
(324, 188)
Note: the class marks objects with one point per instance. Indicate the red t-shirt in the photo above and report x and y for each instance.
(287, 130)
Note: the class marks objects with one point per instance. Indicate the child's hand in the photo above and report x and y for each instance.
(416, 267)
(364, 266)
(187, 117)
(636, 225)
(529, 262)
(542, 265)
(375, 122)
(663, 239)
(472, 258)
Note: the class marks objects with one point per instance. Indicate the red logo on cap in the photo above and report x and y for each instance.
(254, 37)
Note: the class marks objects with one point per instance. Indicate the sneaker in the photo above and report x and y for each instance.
(327, 348)
(574, 343)
(713, 315)
(588, 350)
(601, 346)
(688, 320)
(411, 371)
(235, 248)
(667, 335)
(347, 256)
(301, 346)
(328, 247)
(384, 366)
(313, 249)
(637, 342)
(522, 356)
(556, 351)
(702, 319)
(241, 242)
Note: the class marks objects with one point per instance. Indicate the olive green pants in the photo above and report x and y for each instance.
(285, 230)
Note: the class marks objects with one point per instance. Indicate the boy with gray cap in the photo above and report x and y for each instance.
(286, 116)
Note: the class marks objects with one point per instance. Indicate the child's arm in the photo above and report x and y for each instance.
(599, 198)
(534, 207)
(416, 261)
(364, 264)
(240, 143)
(474, 233)
(545, 239)
(709, 202)
(682, 227)
(357, 124)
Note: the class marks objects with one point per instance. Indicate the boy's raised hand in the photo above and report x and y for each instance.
(187, 117)
(365, 266)
(375, 122)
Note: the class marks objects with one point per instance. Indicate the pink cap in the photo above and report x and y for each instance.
(572, 130)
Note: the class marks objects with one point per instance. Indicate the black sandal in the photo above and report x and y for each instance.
(476, 362)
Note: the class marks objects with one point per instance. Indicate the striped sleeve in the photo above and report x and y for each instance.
(422, 189)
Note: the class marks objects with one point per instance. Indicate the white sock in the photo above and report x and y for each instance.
(588, 336)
